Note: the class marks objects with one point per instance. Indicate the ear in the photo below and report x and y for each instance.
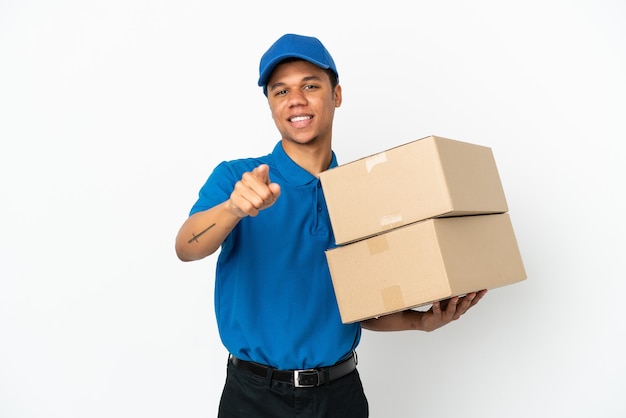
(338, 97)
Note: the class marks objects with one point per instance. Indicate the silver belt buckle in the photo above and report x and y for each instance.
(310, 378)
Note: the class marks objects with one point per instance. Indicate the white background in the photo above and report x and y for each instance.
(113, 113)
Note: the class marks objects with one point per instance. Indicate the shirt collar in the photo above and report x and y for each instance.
(292, 172)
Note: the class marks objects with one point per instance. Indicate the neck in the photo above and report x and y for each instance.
(313, 157)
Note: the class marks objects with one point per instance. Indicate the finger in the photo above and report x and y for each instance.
(255, 182)
(468, 301)
(252, 193)
(275, 189)
(464, 304)
(468, 298)
(262, 172)
(436, 308)
(242, 200)
(451, 309)
(248, 195)
(479, 296)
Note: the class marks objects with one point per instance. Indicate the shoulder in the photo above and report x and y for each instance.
(242, 165)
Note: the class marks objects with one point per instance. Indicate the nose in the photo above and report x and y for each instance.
(297, 98)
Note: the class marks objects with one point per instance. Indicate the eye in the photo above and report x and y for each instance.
(281, 92)
(310, 87)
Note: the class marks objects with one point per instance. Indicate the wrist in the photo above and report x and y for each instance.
(234, 210)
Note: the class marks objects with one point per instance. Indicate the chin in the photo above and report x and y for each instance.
(302, 141)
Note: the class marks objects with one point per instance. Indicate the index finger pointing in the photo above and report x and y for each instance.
(262, 172)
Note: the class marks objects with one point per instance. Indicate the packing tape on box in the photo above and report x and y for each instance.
(377, 245)
(374, 160)
(392, 298)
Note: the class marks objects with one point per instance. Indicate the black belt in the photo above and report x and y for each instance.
(300, 378)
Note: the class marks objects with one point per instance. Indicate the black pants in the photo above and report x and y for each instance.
(246, 395)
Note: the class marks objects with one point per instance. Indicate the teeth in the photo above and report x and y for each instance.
(300, 118)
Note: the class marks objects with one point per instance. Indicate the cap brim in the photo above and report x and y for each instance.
(271, 66)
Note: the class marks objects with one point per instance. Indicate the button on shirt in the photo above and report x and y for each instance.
(274, 299)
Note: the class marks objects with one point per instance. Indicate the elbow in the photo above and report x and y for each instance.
(183, 258)
(183, 253)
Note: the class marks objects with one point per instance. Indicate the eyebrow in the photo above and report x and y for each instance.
(304, 80)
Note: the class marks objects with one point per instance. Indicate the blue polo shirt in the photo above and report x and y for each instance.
(274, 299)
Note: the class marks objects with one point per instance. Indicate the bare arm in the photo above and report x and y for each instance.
(440, 314)
(203, 232)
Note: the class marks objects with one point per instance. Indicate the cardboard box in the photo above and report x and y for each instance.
(424, 262)
(427, 178)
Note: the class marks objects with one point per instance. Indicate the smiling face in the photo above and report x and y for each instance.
(303, 103)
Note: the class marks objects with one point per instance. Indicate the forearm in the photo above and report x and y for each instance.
(440, 313)
(399, 321)
(203, 232)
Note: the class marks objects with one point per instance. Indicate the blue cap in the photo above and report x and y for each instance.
(294, 46)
